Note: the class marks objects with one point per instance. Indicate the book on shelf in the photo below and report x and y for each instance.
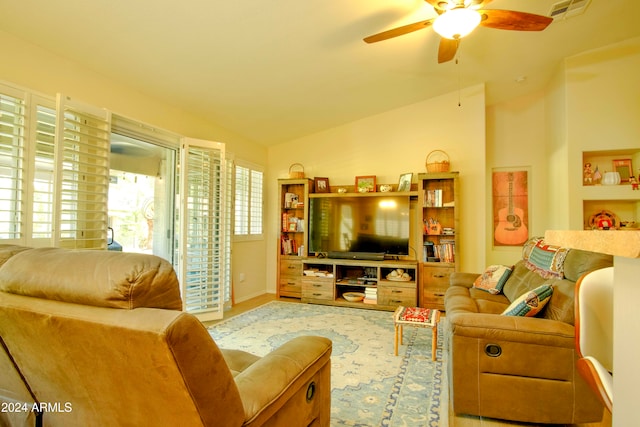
(370, 295)
(288, 246)
(445, 250)
(433, 199)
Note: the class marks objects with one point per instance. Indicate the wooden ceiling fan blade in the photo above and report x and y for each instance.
(512, 20)
(447, 49)
(399, 31)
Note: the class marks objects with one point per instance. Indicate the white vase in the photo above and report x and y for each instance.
(611, 178)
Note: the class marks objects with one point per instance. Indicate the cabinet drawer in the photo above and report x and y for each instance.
(436, 277)
(290, 268)
(317, 289)
(290, 286)
(393, 295)
(433, 299)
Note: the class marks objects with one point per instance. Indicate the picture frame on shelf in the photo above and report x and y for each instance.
(405, 181)
(321, 185)
(366, 184)
(624, 168)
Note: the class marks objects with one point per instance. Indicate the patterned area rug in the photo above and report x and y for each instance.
(370, 386)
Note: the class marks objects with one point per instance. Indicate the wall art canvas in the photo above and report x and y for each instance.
(510, 197)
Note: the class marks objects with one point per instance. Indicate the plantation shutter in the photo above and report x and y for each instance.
(82, 177)
(249, 181)
(42, 174)
(202, 228)
(12, 159)
(227, 232)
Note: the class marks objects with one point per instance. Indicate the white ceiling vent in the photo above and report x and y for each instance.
(568, 8)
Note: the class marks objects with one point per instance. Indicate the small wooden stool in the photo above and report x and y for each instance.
(416, 316)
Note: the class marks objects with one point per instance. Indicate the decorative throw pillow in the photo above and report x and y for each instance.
(531, 302)
(493, 278)
(546, 260)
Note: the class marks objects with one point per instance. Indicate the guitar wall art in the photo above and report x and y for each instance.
(510, 207)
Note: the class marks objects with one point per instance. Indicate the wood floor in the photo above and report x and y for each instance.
(454, 420)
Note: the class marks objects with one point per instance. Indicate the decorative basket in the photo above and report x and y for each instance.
(294, 174)
(437, 161)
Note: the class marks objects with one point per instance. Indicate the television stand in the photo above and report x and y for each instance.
(326, 281)
(369, 256)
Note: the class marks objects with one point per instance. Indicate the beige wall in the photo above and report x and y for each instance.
(392, 143)
(516, 139)
(35, 69)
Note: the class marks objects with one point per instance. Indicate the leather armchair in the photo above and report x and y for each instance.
(99, 338)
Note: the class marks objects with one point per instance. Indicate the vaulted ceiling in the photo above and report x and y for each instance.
(276, 70)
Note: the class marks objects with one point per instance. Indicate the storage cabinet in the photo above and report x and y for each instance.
(294, 218)
(438, 211)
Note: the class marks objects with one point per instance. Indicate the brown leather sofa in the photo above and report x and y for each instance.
(519, 368)
(99, 338)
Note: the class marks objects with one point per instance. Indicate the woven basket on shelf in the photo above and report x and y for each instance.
(294, 174)
(437, 161)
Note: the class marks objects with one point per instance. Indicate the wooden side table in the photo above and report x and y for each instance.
(416, 316)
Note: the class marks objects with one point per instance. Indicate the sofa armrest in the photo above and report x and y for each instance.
(516, 329)
(463, 279)
(269, 381)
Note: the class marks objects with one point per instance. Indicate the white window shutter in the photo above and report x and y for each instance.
(42, 172)
(82, 176)
(12, 172)
(248, 202)
(202, 228)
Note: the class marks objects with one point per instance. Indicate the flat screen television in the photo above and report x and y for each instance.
(362, 225)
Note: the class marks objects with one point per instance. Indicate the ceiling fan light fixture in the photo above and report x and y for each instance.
(457, 23)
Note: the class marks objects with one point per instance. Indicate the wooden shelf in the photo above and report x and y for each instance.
(370, 194)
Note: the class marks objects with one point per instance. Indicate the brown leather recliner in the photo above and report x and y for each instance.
(519, 368)
(99, 338)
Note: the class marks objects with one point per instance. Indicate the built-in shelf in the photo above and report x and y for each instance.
(621, 200)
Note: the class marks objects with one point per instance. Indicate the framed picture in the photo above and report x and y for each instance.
(366, 184)
(623, 167)
(322, 185)
(405, 182)
(510, 197)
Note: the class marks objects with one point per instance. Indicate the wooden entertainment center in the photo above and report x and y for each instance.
(419, 278)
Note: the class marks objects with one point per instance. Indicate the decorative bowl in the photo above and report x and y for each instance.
(353, 296)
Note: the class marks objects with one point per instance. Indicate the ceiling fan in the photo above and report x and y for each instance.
(457, 18)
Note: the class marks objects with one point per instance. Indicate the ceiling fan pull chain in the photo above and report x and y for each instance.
(459, 83)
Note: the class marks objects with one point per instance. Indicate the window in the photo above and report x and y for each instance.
(57, 164)
(248, 201)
